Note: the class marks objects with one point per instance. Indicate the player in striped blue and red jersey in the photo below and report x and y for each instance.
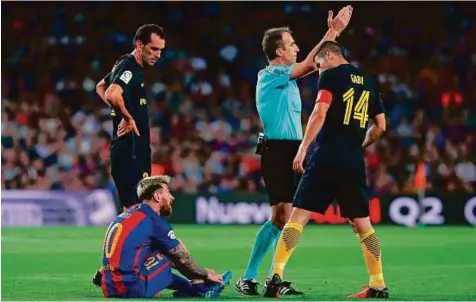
(140, 250)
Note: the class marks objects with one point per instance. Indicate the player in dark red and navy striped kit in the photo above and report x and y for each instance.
(347, 100)
(140, 250)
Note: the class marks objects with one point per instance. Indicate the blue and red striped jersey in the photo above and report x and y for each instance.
(130, 240)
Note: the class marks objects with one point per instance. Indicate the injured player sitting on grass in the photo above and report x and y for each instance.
(141, 249)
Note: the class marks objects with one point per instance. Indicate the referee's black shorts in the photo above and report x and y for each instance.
(129, 164)
(277, 169)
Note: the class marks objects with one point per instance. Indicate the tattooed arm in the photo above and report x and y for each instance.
(185, 264)
(165, 239)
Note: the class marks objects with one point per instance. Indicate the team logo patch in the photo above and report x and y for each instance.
(276, 70)
(171, 235)
(126, 76)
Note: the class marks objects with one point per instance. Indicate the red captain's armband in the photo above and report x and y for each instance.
(324, 96)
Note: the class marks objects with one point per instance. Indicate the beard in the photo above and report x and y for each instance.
(166, 210)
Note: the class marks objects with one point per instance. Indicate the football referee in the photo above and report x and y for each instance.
(279, 107)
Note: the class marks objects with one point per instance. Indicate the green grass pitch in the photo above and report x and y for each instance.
(432, 263)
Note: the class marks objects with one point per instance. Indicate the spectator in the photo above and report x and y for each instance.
(55, 130)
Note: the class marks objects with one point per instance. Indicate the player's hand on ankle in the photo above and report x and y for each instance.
(340, 22)
(212, 276)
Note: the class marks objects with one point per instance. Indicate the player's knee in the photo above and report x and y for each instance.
(360, 225)
(300, 216)
(279, 219)
(352, 225)
(280, 214)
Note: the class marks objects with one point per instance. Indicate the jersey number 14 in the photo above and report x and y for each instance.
(359, 112)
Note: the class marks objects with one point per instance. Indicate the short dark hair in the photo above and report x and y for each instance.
(144, 33)
(272, 40)
(331, 46)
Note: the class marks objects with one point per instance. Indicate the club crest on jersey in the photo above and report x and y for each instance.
(126, 76)
(276, 71)
(171, 235)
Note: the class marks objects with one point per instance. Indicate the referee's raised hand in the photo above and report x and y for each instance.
(340, 22)
(127, 126)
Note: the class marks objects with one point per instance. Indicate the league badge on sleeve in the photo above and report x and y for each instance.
(126, 76)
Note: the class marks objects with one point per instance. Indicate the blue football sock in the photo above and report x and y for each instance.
(265, 237)
(275, 244)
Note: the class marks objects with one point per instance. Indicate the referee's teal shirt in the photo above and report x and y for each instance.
(279, 103)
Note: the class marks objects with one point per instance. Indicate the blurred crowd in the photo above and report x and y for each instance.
(56, 130)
